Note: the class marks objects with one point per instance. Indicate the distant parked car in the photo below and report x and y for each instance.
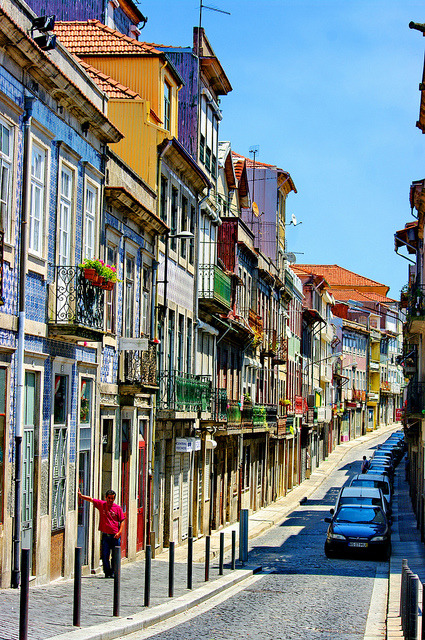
(370, 479)
(358, 529)
(368, 496)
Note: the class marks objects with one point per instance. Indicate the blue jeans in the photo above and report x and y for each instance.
(109, 542)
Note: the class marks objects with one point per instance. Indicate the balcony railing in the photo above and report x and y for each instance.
(184, 392)
(415, 397)
(139, 367)
(214, 287)
(416, 301)
(76, 306)
(220, 405)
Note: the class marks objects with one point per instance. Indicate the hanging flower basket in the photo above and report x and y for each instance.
(89, 273)
(108, 286)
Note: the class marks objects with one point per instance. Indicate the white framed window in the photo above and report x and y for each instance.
(6, 164)
(66, 191)
(167, 106)
(38, 198)
(91, 204)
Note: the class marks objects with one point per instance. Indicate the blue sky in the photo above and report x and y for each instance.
(328, 90)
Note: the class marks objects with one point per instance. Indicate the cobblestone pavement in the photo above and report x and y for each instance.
(298, 572)
(301, 594)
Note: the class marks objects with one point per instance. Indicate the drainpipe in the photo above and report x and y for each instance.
(20, 372)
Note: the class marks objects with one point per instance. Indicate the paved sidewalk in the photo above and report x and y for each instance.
(50, 606)
(406, 544)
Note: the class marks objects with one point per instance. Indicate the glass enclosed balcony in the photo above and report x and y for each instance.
(415, 403)
(214, 288)
(184, 392)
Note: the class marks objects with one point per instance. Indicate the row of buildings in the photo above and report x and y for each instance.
(197, 370)
(409, 243)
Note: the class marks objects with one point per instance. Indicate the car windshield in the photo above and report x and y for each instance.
(363, 482)
(360, 515)
(359, 500)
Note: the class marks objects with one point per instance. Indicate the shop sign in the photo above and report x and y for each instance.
(186, 445)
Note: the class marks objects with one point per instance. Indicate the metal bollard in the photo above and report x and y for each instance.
(148, 566)
(171, 571)
(24, 596)
(116, 559)
(423, 613)
(221, 557)
(207, 557)
(233, 549)
(404, 568)
(414, 603)
(189, 562)
(408, 614)
(243, 536)
(76, 615)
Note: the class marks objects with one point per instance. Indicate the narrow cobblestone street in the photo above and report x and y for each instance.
(301, 593)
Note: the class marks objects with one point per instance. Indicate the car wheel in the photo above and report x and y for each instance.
(328, 552)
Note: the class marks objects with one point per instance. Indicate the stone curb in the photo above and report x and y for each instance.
(159, 613)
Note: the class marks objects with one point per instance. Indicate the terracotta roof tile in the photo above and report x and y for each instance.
(344, 295)
(112, 87)
(91, 37)
(337, 275)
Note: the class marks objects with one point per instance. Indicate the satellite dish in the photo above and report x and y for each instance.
(290, 257)
(255, 209)
(293, 219)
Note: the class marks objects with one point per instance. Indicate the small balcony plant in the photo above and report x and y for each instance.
(101, 274)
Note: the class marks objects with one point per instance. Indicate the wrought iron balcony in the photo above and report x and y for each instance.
(214, 288)
(220, 405)
(137, 369)
(76, 306)
(415, 402)
(184, 392)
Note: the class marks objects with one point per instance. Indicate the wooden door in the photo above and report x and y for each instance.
(141, 498)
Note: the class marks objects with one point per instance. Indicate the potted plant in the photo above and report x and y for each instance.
(99, 273)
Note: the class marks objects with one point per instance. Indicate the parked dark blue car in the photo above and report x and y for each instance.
(357, 529)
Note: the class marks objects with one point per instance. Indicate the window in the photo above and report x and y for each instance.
(90, 210)
(65, 215)
(129, 296)
(173, 222)
(38, 196)
(180, 343)
(167, 106)
(145, 324)
(163, 201)
(189, 347)
(110, 296)
(6, 153)
(183, 226)
(59, 451)
(192, 231)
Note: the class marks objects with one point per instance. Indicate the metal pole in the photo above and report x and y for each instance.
(423, 613)
(414, 603)
(171, 571)
(233, 549)
(404, 568)
(207, 557)
(76, 618)
(116, 558)
(189, 561)
(243, 536)
(148, 565)
(221, 562)
(24, 596)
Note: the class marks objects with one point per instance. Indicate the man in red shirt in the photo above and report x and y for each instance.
(111, 524)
